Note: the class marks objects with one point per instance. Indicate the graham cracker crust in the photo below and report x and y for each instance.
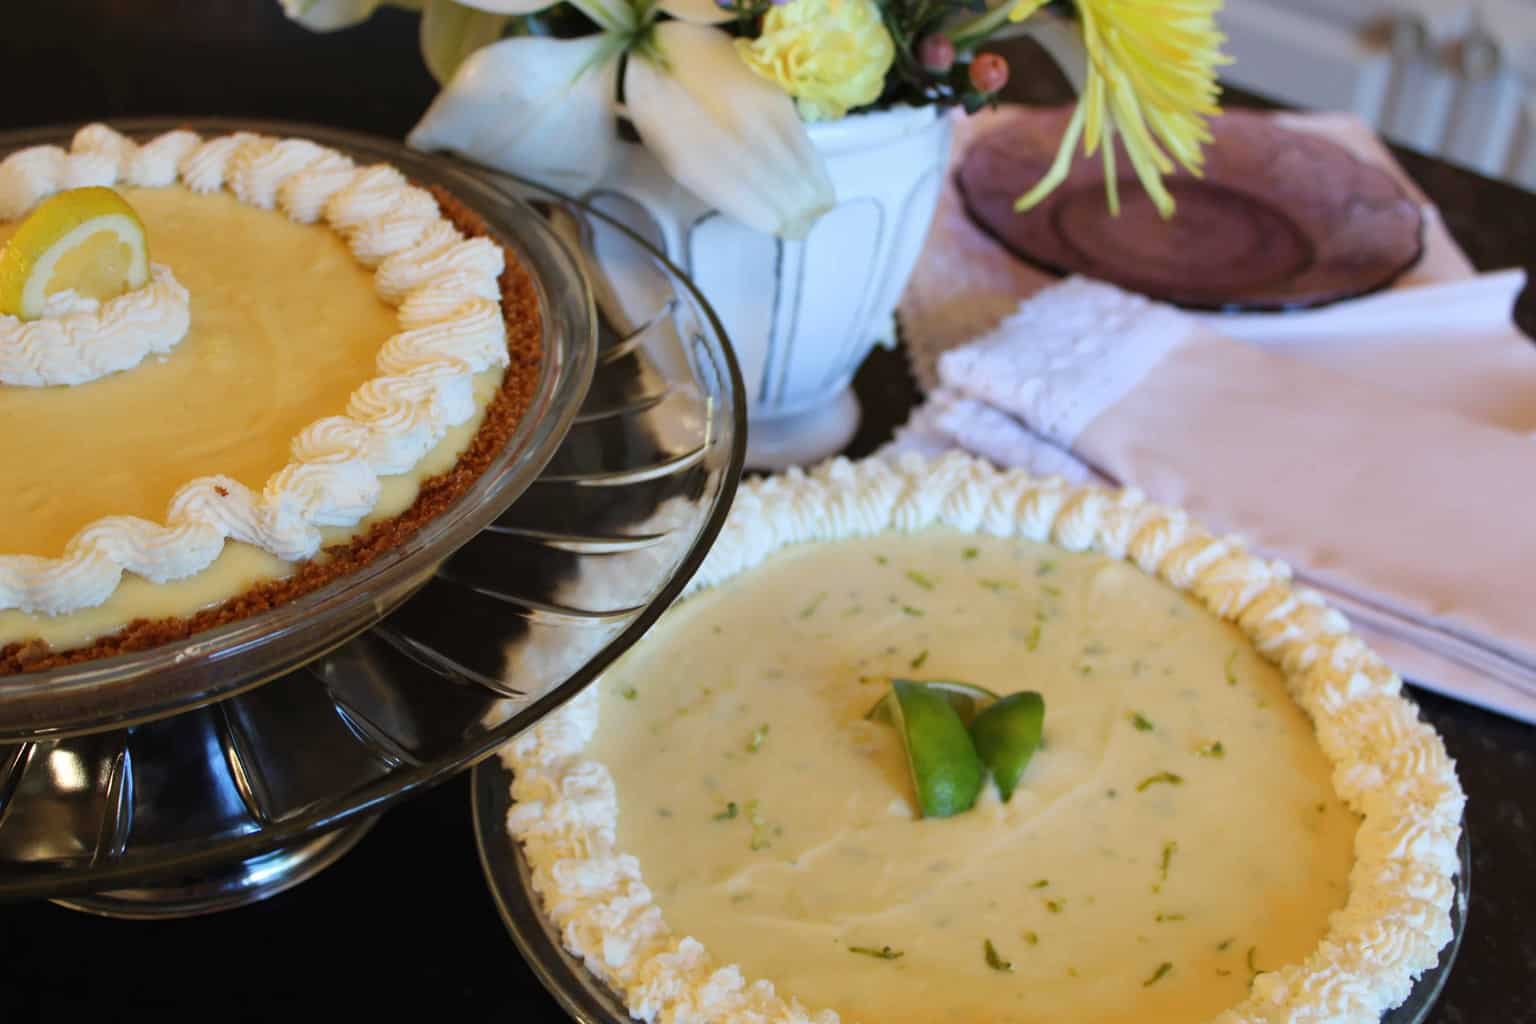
(502, 415)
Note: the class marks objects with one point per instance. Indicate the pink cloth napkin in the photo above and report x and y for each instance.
(1416, 520)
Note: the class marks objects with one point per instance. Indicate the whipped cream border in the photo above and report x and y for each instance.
(1389, 767)
(447, 290)
(78, 340)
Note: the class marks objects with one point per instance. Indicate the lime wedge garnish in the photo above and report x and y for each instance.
(946, 772)
(1006, 735)
(966, 699)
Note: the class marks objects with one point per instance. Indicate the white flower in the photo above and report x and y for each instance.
(330, 15)
(545, 109)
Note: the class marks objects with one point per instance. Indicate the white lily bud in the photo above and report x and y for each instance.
(535, 107)
(728, 135)
(330, 15)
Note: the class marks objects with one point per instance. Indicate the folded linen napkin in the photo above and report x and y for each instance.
(1451, 344)
(1415, 520)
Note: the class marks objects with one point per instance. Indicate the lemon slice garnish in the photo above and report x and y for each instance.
(85, 240)
(946, 772)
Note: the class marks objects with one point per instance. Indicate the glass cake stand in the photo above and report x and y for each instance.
(207, 776)
(588, 1000)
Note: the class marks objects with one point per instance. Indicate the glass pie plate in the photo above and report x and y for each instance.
(215, 663)
(1280, 218)
(206, 776)
(586, 999)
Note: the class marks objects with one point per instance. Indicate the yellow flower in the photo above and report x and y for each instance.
(830, 55)
(1152, 81)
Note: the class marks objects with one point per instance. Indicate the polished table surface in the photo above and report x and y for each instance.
(403, 927)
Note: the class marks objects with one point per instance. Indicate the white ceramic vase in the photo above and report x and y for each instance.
(803, 315)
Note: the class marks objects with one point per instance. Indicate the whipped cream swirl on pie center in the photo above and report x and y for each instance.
(78, 339)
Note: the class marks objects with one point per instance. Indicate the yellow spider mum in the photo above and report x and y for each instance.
(1151, 81)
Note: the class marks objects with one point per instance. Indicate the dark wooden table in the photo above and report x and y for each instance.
(403, 927)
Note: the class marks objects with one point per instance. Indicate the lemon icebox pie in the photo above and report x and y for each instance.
(932, 742)
(304, 361)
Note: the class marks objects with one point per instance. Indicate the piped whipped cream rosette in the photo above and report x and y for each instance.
(79, 340)
(451, 328)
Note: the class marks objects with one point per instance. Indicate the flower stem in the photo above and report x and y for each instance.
(967, 34)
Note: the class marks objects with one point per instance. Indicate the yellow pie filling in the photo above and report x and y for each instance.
(286, 324)
(1176, 833)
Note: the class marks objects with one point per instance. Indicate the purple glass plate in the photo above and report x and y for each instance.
(1281, 220)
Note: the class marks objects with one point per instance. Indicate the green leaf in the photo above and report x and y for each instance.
(450, 32)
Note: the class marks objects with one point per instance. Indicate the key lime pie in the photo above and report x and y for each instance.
(231, 369)
(932, 742)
